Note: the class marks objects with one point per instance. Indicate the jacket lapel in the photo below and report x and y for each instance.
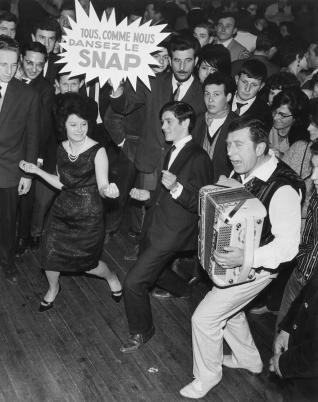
(182, 157)
(9, 99)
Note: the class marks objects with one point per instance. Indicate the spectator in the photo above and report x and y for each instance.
(8, 24)
(204, 33)
(213, 58)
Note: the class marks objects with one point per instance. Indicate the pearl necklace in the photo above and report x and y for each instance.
(74, 157)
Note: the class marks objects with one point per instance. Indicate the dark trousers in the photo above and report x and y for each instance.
(152, 267)
(8, 217)
(25, 209)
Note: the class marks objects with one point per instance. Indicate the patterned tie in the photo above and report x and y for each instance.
(239, 106)
(167, 157)
(175, 95)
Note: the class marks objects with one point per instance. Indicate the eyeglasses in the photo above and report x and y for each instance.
(281, 115)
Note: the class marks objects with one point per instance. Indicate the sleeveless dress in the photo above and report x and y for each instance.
(74, 235)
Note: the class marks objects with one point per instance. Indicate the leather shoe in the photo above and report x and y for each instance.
(231, 362)
(134, 342)
(21, 247)
(35, 243)
(12, 277)
(197, 389)
(162, 294)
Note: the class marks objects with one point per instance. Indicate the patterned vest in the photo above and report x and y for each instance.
(264, 190)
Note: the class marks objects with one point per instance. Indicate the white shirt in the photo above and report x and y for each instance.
(4, 86)
(285, 217)
(246, 39)
(183, 87)
(225, 43)
(243, 108)
(179, 145)
(215, 125)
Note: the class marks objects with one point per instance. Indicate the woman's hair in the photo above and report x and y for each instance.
(216, 56)
(313, 111)
(290, 49)
(298, 104)
(67, 104)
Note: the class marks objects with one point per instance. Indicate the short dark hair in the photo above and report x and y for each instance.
(48, 24)
(282, 80)
(254, 69)
(9, 17)
(206, 25)
(34, 47)
(7, 43)
(71, 103)
(60, 74)
(216, 56)
(291, 48)
(264, 43)
(257, 129)
(218, 78)
(183, 42)
(227, 15)
(181, 110)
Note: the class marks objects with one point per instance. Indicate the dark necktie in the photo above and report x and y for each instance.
(239, 106)
(0, 92)
(167, 157)
(25, 80)
(237, 177)
(176, 93)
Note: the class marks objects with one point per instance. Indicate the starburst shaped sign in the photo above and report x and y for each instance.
(102, 49)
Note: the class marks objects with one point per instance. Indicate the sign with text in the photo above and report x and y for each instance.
(102, 49)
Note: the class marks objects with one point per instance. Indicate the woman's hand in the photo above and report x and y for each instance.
(28, 167)
(139, 194)
(111, 191)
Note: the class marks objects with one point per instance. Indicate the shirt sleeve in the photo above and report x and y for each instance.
(285, 218)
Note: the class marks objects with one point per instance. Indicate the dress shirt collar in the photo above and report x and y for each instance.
(4, 86)
(183, 87)
(226, 43)
(243, 108)
(181, 143)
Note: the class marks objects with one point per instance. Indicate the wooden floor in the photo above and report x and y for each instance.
(71, 353)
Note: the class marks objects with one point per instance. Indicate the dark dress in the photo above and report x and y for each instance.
(74, 234)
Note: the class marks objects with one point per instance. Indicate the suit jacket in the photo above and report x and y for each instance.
(300, 362)
(19, 131)
(46, 95)
(260, 110)
(52, 68)
(237, 51)
(172, 224)
(270, 67)
(220, 161)
(151, 148)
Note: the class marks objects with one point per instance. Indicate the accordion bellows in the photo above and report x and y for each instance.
(229, 217)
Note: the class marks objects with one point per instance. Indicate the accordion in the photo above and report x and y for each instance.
(229, 217)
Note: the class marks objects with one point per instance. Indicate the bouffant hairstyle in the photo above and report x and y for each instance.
(68, 104)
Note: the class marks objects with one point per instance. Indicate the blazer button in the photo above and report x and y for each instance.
(306, 305)
(294, 327)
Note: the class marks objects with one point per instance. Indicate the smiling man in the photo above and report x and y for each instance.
(19, 133)
(172, 223)
(219, 316)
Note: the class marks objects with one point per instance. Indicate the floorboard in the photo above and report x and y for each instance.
(71, 353)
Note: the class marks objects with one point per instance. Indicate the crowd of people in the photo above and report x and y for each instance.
(233, 101)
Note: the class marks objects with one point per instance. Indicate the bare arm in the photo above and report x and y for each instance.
(101, 171)
(52, 179)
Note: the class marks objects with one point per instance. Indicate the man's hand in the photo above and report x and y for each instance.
(231, 259)
(281, 342)
(139, 194)
(169, 180)
(228, 182)
(24, 185)
(274, 365)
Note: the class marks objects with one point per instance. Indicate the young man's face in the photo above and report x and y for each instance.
(172, 128)
(183, 63)
(47, 38)
(243, 152)
(247, 87)
(314, 175)
(204, 70)
(8, 64)
(215, 99)
(162, 58)
(312, 57)
(33, 64)
(8, 28)
(67, 84)
(225, 29)
(202, 34)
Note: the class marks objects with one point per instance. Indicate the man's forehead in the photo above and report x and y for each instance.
(168, 115)
(214, 88)
(44, 32)
(183, 53)
(7, 53)
(239, 135)
(245, 77)
(31, 55)
(7, 23)
(226, 21)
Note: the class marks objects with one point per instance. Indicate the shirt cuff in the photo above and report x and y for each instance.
(122, 143)
(176, 191)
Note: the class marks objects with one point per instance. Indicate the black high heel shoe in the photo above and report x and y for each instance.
(116, 296)
(45, 305)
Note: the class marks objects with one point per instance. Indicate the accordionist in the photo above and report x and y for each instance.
(219, 316)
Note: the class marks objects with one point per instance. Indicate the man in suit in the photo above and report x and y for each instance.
(225, 32)
(8, 24)
(172, 222)
(263, 52)
(47, 32)
(19, 133)
(211, 128)
(246, 101)
(33, 58)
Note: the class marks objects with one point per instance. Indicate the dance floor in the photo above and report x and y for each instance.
(71, 353)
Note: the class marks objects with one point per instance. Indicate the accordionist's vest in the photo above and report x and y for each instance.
(283, 175)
